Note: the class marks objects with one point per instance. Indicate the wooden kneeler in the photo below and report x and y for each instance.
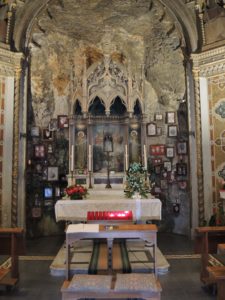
(133, 285)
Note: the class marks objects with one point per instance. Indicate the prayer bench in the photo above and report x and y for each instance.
(123, 286)
(12, 243)
(217, 273)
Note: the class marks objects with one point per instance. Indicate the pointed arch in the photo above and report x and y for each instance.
(117, 107)
(96, 107)
(137, 108)
(77, 108)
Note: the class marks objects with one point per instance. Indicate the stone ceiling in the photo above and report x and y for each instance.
(140, 33)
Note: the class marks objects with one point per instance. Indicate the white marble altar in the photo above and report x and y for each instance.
(107, 200)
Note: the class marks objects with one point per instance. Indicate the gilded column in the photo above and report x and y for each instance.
(200, 179)
(15, 166)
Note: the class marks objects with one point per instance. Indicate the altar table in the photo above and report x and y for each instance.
(76, 210)
(76, 232)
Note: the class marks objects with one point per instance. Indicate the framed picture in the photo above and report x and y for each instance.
(182, 184)
(181, 169)
(172, 130)
(48, 192)
(35, 131)
(49, 148)
(53, 125)
(170, 117)
(45, 173)
(47, 135)
(182, 148)
(156, 161)
(53, 173)
(167, 166)
(156, 190)
(39, 151)
(164, 184)
(57, 191)
(170, 152)
(36, 212)
(38, 168)
(158, 117)
(157, 169)
(158, 130)
(63, 121)
(151, 129)
(157, 150)
(48, 202)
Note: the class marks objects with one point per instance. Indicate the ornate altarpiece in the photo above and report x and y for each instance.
(108, 100)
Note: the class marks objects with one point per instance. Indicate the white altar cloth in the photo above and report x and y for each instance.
(76, 210)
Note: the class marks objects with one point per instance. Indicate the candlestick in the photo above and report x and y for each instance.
(72, 159)
(126, 158)
(145, 158)
(89, 158)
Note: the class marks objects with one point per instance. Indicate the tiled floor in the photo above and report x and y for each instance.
(180, 283)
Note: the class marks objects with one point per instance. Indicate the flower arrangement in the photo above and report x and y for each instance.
(136, 181)
(76, 192)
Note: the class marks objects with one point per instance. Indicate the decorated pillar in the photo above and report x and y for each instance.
(200, 178)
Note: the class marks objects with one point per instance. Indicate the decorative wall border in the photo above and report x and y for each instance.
(205, 64)
(10, 66)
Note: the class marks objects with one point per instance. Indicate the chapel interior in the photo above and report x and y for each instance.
(89, 88)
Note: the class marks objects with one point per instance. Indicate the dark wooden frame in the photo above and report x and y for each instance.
(65, 123)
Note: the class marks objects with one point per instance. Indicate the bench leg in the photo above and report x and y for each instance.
(221, 289)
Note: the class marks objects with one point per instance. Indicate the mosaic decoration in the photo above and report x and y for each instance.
(222, 173)
(221, 141)
(220, 110)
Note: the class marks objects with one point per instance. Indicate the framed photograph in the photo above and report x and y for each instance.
(157, 150)
(48, 192)
(53, 125)
(156, 161)
(47, 135)
(38, 168)
(157, 169)
(151, 129)
(158, 130)
(167, 166)
(182, 148)
(170, 152)
(57, 191)
(172, 130)
(164, 184)
(63, 121)
(156, 190)
(48, 202)
(181, 169)
(170, 117)
(45, 173)
(36, 212)
(53, 173)
(49, 148)
(35, 131)
(39, 151)
(182, 184)
(158, 117)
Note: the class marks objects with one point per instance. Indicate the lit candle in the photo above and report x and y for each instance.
(89, 158)
(126, 158)
(72, 159)
(145, 158)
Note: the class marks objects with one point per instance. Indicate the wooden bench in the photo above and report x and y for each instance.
(217, 273)
(12, 243)
(221, 248)
(123, 286)
(206, 242)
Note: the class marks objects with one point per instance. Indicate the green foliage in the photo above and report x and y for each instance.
(136, 180)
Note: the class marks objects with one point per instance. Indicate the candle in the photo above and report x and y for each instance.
(126, 158)
(145, 158)
(72, 159)
(89, 158)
